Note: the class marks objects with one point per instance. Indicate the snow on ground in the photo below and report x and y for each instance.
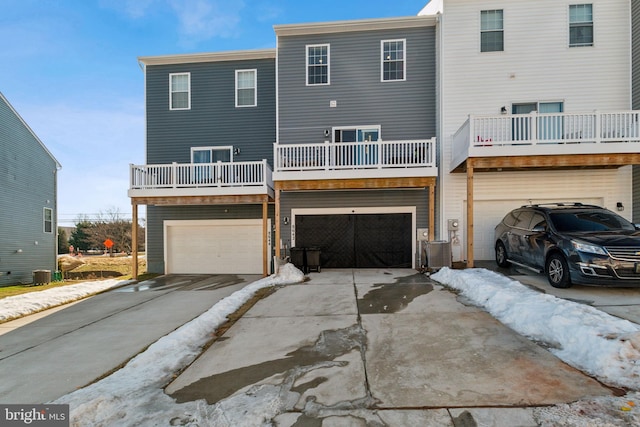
(591, 340)
(602, 345)
(32, 302)
(134, 394)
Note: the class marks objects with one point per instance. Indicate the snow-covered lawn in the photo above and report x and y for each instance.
(17, 306)
(604, 346)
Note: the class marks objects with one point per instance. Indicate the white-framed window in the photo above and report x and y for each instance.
(393, 61)
(223, 153)
(246, 88)
(492, 30)
(318, 64)
(180, 91)
(580, 25)
(356, 133)
(47, 218)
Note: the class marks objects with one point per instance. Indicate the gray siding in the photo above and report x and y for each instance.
(404, 109)
(213, 119)
(27, 186)
(635, 95)
(353, 199)
(156, 215)
(635, 40)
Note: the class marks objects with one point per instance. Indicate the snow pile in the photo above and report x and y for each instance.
(595, 342)
(32, 302)
(134, 395)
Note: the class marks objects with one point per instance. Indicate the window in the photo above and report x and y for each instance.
(318, 64)
(48, 220)
(180, 91)
(580, 25)
(356, 134)
(212, 154)
(246, 88)
(491, 31)
(393, 60)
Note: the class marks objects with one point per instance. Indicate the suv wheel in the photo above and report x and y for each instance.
(557, 271)
(501, 255)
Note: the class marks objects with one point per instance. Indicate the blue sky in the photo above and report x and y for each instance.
(69, 67)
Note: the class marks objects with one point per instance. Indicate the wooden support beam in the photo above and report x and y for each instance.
(277, 221)
(134, 241)
(356, 184)
(265, 238)
(432, 212)
(202, 200)
(564, 161)
(470, 166)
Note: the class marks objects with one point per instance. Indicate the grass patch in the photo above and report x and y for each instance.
(94, 268)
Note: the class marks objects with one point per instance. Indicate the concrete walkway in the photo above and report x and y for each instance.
(382, 347)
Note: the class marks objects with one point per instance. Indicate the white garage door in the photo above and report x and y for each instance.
(214, 246)
(488, 213)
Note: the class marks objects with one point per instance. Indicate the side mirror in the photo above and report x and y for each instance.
(539, 228)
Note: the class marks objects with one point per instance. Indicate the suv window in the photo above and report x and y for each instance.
(524, 219)
(538, 220)
(589, 221)
(511, 218)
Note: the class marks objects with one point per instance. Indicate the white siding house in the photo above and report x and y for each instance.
(535, 107)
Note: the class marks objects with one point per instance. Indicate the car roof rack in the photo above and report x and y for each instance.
(562, 204)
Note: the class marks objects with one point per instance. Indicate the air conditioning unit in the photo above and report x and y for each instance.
(438, 254)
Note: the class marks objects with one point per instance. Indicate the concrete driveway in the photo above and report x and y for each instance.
(50, 354)
(381, 347)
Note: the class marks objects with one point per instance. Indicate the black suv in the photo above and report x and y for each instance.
(571, 243)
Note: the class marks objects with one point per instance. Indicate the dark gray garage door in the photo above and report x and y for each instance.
(359, 241)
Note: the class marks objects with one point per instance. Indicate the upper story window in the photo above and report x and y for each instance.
(491, 31)
(222, 153)
(48, 220)
(246, 88)
(179, 91)
(318, 64)
(393, 60)
(580, 25)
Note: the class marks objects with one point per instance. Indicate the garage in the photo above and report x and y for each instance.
(214, 246)
(487, 214)
(371, 240)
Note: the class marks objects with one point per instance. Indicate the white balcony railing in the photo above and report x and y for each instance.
(226, 175)
(534, 133)
(355, 156)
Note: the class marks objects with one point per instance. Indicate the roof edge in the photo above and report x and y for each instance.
(187, 58)
(354, 25)
(13, 110)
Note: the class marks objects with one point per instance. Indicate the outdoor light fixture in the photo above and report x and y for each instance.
(18, 251)
(285, 220)
(236, 151)
(503, 110)
(619, 206)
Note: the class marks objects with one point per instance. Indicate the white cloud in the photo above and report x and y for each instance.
(201, 20)
(132, 8)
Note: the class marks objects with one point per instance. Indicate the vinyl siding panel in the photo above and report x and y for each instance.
(27, 186)
(213, 119)
(635, 50)
(635, 25)
(537, 65)
(404, 109)
(156, 215)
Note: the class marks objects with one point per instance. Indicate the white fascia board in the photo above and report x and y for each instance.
(354, 25)
(189, 58)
